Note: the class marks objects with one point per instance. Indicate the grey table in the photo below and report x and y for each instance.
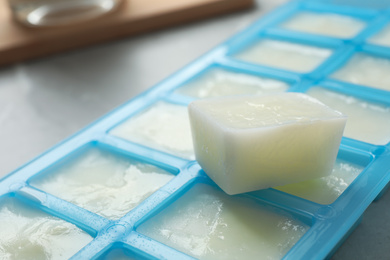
(44, 101)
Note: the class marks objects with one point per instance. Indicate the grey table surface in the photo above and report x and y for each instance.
(44, 101)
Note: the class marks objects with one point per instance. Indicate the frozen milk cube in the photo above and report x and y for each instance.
(382, 37)
(367, 121)
(218, 82)
(325, 24)
(285, 55)
(102, 182)
(366, 70)
(210, 225)
(163, 126)
(326, 190)
(28, 233)
(248, 143)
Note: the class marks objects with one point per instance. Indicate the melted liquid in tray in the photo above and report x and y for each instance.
(103, 183)
(208, 224)
(27, 233)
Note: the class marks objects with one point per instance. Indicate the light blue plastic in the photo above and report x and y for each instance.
(329, 224)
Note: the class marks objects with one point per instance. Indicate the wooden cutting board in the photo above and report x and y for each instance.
(20, 43)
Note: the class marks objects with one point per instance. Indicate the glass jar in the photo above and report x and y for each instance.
(44, 13)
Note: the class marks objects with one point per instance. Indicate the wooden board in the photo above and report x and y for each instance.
(20, 43)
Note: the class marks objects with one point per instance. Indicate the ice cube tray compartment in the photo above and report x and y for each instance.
(38, 233)
(328, 221)
(381, 37)
(202, 220)
(217, 81)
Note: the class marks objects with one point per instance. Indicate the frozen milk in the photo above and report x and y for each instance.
(367, 70)
(218, 82)
(367, 121)
(103, 183)
(328, 24)
(327, 189)
(163, 126)
(28, 233)
(285, 55)
(382, 37)
(208, 224)
(248, 143)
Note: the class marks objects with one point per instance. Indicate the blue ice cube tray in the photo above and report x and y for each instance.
(329, 224)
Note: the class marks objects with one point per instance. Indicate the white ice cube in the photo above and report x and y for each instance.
(329, 24)
(219, 82)
(163, 126)
(248, 143)
(367, 121)
(285, 55)
(382, 37)
(367, 70)
(326, 190)
(28, 233)
(103, 183)
(210, 225)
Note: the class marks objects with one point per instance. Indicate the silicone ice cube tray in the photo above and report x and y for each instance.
(328, 224)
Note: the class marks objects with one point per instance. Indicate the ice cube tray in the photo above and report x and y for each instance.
(329, 223)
